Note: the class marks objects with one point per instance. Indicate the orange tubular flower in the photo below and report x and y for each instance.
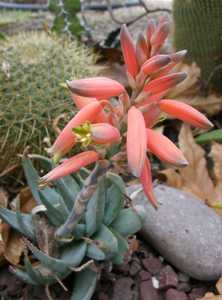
(155, 63)
(164, 83)
(159, 36)
(129, 52)
(164, 149)
(136, 141)
(150, 30)
(66, 139)
(142, 51)
(80, 102)
(102, 133)
(146, 180)
(96, 87)
(71, 165)
(185, 113)
(151, 115)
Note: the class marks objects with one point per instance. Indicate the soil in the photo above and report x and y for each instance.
(143, 276)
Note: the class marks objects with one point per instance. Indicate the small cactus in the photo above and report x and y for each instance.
(33, 67)
(198, 28)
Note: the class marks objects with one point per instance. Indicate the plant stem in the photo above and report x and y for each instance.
(64, 231)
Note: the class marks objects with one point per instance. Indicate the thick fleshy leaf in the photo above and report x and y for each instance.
(164, 149)
(129, 51)
(71, 257)
(24, 276)
(136, 141)
(56, 214)
(10, 218)
(84, 285)
(114, 198)
(95, 209)
(146, 180)
(122, 248)
(33, 272)
(98, 87)
(68, 188)
(127, 223)
(185, 113)
(32, 178)
(79, 231)
(22, 224)
(105, 241)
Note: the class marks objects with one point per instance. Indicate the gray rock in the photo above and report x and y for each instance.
(185, 231)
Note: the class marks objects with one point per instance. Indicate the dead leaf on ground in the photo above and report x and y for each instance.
(211, 296)
(195, 177)
(11, 245)
(14, 248)
(219, 286)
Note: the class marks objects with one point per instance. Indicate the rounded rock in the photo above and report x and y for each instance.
(184, 230)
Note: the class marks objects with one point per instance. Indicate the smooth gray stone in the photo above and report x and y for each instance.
(186, 232)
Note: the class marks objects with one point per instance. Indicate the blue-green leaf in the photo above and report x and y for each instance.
(11, 218)
(122, 249)
(127, 223)
(84, 285)
(95, 209)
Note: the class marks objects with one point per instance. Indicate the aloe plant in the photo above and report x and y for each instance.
(100, 234)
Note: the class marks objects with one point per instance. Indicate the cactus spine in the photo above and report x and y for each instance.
(198, 28)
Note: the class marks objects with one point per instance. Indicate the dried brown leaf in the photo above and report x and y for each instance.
(219, 286)
(195, 177)
(211, 296)
(14, 248)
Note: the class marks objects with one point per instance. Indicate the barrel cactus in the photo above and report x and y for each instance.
(198, 28)
(33, 67)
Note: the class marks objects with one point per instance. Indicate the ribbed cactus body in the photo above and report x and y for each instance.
(33, 67)
(198, 28)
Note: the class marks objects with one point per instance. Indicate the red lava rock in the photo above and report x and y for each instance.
(143, 275)
(148, 292)
(123, 289)
(152, 264)
(184, 287)
(183, 277)
(103, 296)
(134, 268)
(198, 292)
(173, 294)
(168, 278)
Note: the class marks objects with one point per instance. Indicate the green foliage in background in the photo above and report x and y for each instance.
(71, 9)
(198, 28)
(33, 67)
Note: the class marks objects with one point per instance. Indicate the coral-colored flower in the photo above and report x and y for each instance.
(66, 139)
(142, 51)
(155, 63)
(164, 83)
(150, 29)
(136, 141)
(71, 165)
(146, 180)
(103, 133)
(164, 149)
(96, 87)
(80, 101)
(129, 52)
(185, 113)
(159, 36)
(151, 115)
